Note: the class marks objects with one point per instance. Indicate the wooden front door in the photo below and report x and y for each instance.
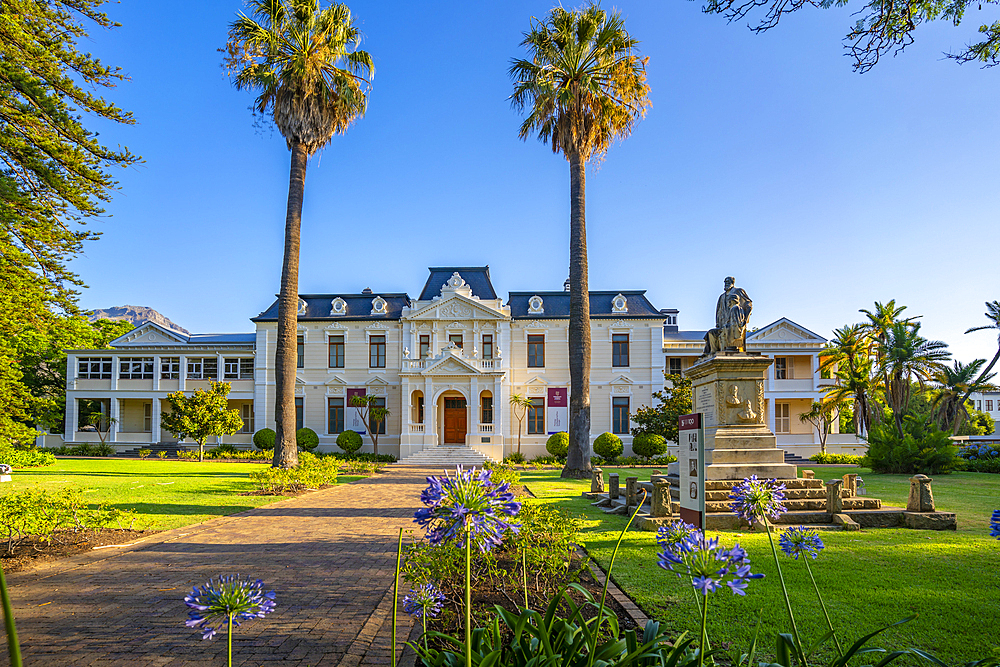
(454, 421)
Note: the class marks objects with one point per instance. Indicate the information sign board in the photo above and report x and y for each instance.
(691, 459)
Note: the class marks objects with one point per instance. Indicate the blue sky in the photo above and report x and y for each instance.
(763, 156)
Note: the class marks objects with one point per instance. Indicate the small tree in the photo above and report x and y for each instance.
(99, 419)
(371, 414)
(822, 416)
(200, 415)
(675, 401)
(519, 403)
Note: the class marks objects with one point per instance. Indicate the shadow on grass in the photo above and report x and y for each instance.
(146, 509)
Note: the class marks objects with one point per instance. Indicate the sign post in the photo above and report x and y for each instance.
(691, 460)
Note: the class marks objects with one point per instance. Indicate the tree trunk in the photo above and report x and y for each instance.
(578, 457)
(286, 452)
(201, 451)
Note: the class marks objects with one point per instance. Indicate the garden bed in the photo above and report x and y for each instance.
(32, 552)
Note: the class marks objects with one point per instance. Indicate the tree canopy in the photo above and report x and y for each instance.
(881, 27)
(202, 414)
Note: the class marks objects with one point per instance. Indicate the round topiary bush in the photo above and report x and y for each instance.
(648, 445)
(306, 439)
(608, 446)
(558, 444)
(349, 441)
(264, 438)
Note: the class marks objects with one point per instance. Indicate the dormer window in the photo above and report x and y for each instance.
(619, 304)
(379, 306)
(536, 306)
(302, 307)
(671, 320)
(338, 307)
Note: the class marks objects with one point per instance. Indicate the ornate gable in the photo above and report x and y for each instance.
(456, 307)
(150, 334)
(452, 365)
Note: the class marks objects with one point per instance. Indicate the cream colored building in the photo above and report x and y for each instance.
(445, 365)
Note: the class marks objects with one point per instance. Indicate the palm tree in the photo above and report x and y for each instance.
(519, 404)
(584, 86)
(311, 77)
(993, 315)
(954, 384)
(880, 320)
(908, 356)
(847, 356)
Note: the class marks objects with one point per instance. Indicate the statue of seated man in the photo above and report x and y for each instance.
(732, 312)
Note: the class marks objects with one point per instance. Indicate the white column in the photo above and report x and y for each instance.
(220, 371)
(769, 406)
(72, 417)
(115, 414)
(474, 409)
(114, 372)
(154, 435)
(430, 413)
(156, 373)
(182, 378)
(72, 369)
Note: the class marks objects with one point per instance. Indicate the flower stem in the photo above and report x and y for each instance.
(704, 632)
(784, 590)
(699, 602)
(468, 596)
(822, 605)
(607, 579)
(229, 638)
(524, 572)
(13, 648)
(423, 617)
(395, 596)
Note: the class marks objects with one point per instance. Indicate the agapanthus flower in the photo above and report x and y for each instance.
(468, 500)
(674, 533)
(424, 602)
(753, 499)
(995, 525)
(214, 603)
(709, 566)
(801, 540)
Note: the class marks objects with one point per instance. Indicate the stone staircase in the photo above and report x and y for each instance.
(447, 456)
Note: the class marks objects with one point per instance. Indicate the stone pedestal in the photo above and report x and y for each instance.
(851, 484)
(808, 474)
(921, 499)
(597, 481)
(834, 499)
(728, 389)
(631, 493)
(661, 498)
(613, 486)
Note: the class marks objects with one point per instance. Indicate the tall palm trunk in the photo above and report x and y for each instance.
(286, 452)
(578, 456)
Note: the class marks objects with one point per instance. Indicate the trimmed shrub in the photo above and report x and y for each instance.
(980, 458)
(27, 458)
(264, 438)
(608, 446)
(349, 441)
(144, 453)
(311, 473)
(514, 457)
(836, 459)
(558, 444)
(648, 445)
(306, 439)
(546, 460)
(368, 457)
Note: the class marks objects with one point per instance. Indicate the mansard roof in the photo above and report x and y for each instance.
(556, 305)
(358, 307)
(476, 277)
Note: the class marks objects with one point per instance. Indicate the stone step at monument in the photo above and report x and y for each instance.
(743, 457)
(737, 472)
(790, 483)
(791, 494)
(817, 505)
(444, 455)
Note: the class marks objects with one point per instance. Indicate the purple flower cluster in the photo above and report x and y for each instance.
(686, 551)
(995, 525)
(468, 501)
(801, 540)
(424, 602)
(214, 603)
(754, 499)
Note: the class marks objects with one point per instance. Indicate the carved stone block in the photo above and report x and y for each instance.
(834, 501)
(921, 499)
(613, 486)
(597, 481)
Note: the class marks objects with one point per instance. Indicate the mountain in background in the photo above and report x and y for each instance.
(136, 315)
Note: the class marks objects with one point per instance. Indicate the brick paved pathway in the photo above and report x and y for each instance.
(330, 556)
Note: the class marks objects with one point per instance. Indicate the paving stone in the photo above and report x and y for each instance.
(330, 556)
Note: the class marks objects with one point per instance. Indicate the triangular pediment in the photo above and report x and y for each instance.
(150, 334)
(452, 365)
(621, 379)
(376, 381)
(456, 307)
(537, 380)
(784, 331)
(336, 381)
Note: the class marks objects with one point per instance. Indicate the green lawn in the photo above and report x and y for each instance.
(869, 578)
(169, 494)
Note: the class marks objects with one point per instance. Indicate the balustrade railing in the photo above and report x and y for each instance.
(416, 428)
